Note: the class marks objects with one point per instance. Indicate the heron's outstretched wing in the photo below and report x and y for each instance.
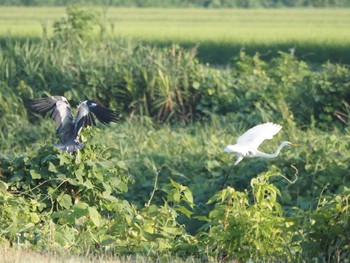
(59, 107)
(85, 117)
(256, 135)
(102, 113)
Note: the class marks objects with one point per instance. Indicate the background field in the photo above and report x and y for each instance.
(317, 34)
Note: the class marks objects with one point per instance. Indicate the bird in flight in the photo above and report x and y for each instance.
(68, 128)
(248, 143)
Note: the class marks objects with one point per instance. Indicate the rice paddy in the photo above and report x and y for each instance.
(316, 34)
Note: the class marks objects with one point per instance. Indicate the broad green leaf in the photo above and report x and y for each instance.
(88, 184)
(90, 163)
(202, 218)
(172, 230)
(196, 85)
(105, 164)
(151, 210)
(34, 218)
(94, 215)
(188, 197)
(174, 196)
(41, 206)
(78, 158)
(80, 209)
(185, 211)
(216, 214)
(59, 214)
(79, 175)
(29, 225)
(65, 201)
(149, 227)
(175, 184)
(18, 176)
(215, 198)
(107, 187)
(98, 176)
(61, 176)
(34, 174)
(110, 198)
(52, 168)
(122, 165)
(152, 236)
(114, 181)
(81, 205)
(63, 159)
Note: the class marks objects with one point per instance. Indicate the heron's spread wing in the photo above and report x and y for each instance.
(59, 107)
(256, 135)
(84, 118)
(68, 129)
(85, 115)
(44, 105)
(103, 114)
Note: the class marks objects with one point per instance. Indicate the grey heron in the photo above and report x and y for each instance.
(68, 128)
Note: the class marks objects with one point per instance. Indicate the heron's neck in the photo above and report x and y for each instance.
(271, 155)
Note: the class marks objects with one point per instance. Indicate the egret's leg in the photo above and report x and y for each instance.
(239, 158)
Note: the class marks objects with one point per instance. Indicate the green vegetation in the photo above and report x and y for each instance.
(152, 184)
(219, 34)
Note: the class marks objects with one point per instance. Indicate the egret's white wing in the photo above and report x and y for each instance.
(256, 135)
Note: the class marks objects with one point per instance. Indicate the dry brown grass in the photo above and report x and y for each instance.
(20, 255)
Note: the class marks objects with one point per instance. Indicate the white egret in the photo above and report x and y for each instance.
(248, 143)
(68, 128)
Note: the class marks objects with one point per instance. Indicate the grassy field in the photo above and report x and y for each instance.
(318, 34)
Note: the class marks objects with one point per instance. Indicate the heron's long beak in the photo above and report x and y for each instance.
(294, 145)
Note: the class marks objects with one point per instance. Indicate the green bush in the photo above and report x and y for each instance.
(241, 226)
(57, 202)
(325, 231)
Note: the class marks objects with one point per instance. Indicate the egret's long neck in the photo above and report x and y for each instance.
(271, 155)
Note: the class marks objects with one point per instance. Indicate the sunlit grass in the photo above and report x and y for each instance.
(317, 34)
(228, 25)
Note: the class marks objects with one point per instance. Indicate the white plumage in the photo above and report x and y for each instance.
(248, 143)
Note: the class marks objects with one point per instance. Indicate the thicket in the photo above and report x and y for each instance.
(185, 3)
(151, 184)
(170, 84)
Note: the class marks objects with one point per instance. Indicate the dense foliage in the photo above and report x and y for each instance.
(186, 3)
(154, 183)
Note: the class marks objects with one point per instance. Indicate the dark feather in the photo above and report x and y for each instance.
(43, 105)
(104, 115)
(67, 128)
